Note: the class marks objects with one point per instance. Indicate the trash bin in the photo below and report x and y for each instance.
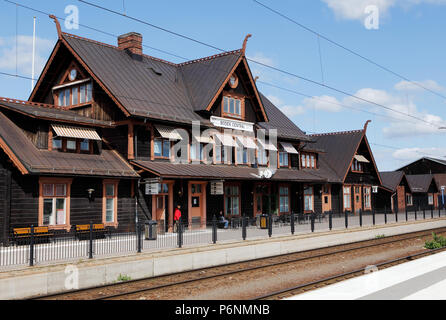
(151, 230)
(263, 221)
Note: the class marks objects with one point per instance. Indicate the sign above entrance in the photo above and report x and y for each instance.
(152, 188)
(232, 124)
(217, 188)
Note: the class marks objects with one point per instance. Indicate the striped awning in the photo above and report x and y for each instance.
(225, 139)
(266, 145)
(361, 158)
(288, 147)
(75, 132)
(203, 138)
(168, 132)
(247, 142)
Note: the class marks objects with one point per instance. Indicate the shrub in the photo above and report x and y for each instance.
(436, 243)
(122, 278)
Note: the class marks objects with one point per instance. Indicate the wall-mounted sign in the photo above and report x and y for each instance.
(232, 124)
(152, 188)
(217, 188)
(375, 189)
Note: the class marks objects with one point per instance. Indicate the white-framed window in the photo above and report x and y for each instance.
(347, 198)
(283, 159)
(161, 148)
(54, 197)
(409, 200)
(110, 202)
(430, 199)
(367, 199)
(308, 199)
(232, 107)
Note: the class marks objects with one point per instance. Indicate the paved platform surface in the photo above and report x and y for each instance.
(41, 280)
(421, 279)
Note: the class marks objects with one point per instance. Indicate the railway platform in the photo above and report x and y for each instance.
(421, 279)
(86, 273)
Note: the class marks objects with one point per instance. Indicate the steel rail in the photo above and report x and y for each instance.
(416, 234)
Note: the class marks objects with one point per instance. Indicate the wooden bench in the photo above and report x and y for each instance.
(23, 235)
(82, 231)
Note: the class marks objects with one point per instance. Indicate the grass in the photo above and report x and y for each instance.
(436, 243)
(380, 236)
(123, 278)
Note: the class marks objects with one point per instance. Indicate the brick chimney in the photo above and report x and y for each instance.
(131, 41)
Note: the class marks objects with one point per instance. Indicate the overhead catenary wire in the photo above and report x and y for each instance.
(170, 53)
(214, 47)
(349, 50)
(289, 73)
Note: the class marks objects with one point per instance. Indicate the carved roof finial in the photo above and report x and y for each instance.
(366, 125)
(256, 78)
(244, 43)
(59, 30)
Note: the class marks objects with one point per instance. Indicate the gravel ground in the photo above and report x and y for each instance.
(248, 285)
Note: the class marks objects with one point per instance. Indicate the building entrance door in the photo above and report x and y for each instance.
(262, 199)
(197, 204)
(358, 198)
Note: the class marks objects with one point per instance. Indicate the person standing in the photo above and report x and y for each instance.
(176, 218)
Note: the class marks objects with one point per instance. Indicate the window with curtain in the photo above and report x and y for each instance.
(308, 199)
(347, 198)
(54, 204)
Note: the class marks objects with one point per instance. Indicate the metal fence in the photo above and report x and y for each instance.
(40, 249)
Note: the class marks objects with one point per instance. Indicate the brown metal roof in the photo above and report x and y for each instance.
(440, 179)
(391, 179)
(420, 182)
(36, 161)
(153, 88)
(49, 112)
(202, 171)
(340, 147)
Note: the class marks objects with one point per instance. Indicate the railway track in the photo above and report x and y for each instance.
(131, 288)
(290, 292)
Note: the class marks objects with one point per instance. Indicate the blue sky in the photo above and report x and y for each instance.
(409, 41)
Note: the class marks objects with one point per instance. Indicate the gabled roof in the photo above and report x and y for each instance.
(440, 179)
(391, 179)
(145, 86)
(340, 149)
(30, 160)
(440, 161)
(204, 77)
(49, 112)
(420, 182)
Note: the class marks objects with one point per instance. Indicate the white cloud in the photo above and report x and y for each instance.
(417, 86)
(323, 103)
(289, 110)
(354, 9)
(292, 111)
(22, 57)
(410, 154)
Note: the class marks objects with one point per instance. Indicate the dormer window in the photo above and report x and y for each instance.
(233, 107)
(74, 94)
(73, 139)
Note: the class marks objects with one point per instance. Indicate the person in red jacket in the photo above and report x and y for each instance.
(176, 218)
